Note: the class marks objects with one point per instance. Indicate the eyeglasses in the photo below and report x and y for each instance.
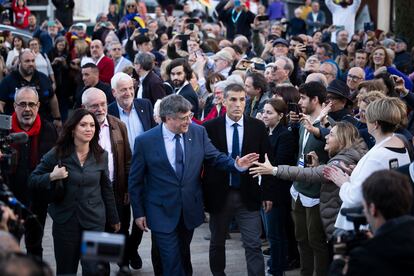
(186, 118)
(326, 73)
(354, 78)
(131, 6)
(97, 106)
(332, 98)
(24, 105)
(311, 60)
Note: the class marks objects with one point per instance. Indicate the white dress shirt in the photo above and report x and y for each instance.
(230, 131)
(141, 88)
(105, 143)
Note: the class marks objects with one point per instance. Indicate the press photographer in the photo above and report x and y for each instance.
(387, 201)
(42, 136)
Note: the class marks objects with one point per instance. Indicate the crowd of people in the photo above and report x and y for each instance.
(242, 117)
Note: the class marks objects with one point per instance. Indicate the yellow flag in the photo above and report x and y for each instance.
(140, 21)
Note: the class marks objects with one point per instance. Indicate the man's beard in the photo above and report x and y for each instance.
(178, 83)
(26, 72)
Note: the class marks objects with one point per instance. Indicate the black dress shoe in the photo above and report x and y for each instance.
(135, 262)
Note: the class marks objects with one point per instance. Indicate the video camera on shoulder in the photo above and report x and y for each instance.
(103, 247)
(344, 241)
(7, 139)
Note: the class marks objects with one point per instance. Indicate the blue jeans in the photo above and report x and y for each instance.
(275, 227)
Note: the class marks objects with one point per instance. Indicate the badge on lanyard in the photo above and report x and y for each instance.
(301, 162)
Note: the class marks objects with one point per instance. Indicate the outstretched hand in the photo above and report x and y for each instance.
(247, 161)
(336, 175)
(262, 168)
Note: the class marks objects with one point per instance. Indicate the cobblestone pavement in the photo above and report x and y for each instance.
(236, 264)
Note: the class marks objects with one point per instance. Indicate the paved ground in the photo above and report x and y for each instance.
(236, 265)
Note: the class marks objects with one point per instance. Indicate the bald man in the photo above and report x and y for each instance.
(355, 76)
(105, 64)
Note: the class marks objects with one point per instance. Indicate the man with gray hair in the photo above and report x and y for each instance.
(329, 70)
(42, 137)
(113, 138)
(120, 62)
(318, 77)
(150, 84)
(137, 115)
(164, 181)
(283, 69)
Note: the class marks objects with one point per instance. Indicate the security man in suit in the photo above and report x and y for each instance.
(236, 194)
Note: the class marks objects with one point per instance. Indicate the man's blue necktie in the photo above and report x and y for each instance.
(179, 157)
(235, 151)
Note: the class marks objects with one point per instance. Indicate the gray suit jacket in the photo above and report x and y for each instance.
(88, 191)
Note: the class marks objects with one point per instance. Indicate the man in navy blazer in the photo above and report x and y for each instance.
(137, 114)
(125, 103)
(316, 18)
(180, 73)
(164, 181)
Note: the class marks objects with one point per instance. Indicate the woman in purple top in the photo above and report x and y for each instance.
(276, 10)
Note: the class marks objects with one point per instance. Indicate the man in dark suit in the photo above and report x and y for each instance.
(90, 78)
(137, 115)
(236, 194)
(113, 138)
(164, 181)
(387, 204)
(180, 74)
(316, 18)
(151, 86)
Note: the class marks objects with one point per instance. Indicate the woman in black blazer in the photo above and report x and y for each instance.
(88, 201)
(284, 148)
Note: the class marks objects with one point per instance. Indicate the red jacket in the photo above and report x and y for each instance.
(106, 69)
(211, 115)
(21, 15)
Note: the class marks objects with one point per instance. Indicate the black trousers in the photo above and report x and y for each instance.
(34, 228)
(134, 239)
(67, 239)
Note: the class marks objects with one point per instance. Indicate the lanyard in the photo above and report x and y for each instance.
(306, 135)
(237, 17)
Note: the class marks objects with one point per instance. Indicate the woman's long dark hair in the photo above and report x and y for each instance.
(65, 145)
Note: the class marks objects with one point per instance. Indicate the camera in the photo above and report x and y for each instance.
(101, 246)
(6, 139)
(344, 241)
(7, 199)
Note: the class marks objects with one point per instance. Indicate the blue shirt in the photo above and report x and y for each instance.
(133, 124)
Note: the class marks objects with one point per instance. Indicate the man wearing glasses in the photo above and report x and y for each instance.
(27, 75)
(115, 49)
(42, 137)
(164, 181)
(355, 76)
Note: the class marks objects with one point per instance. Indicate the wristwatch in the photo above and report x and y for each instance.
(274, 171)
